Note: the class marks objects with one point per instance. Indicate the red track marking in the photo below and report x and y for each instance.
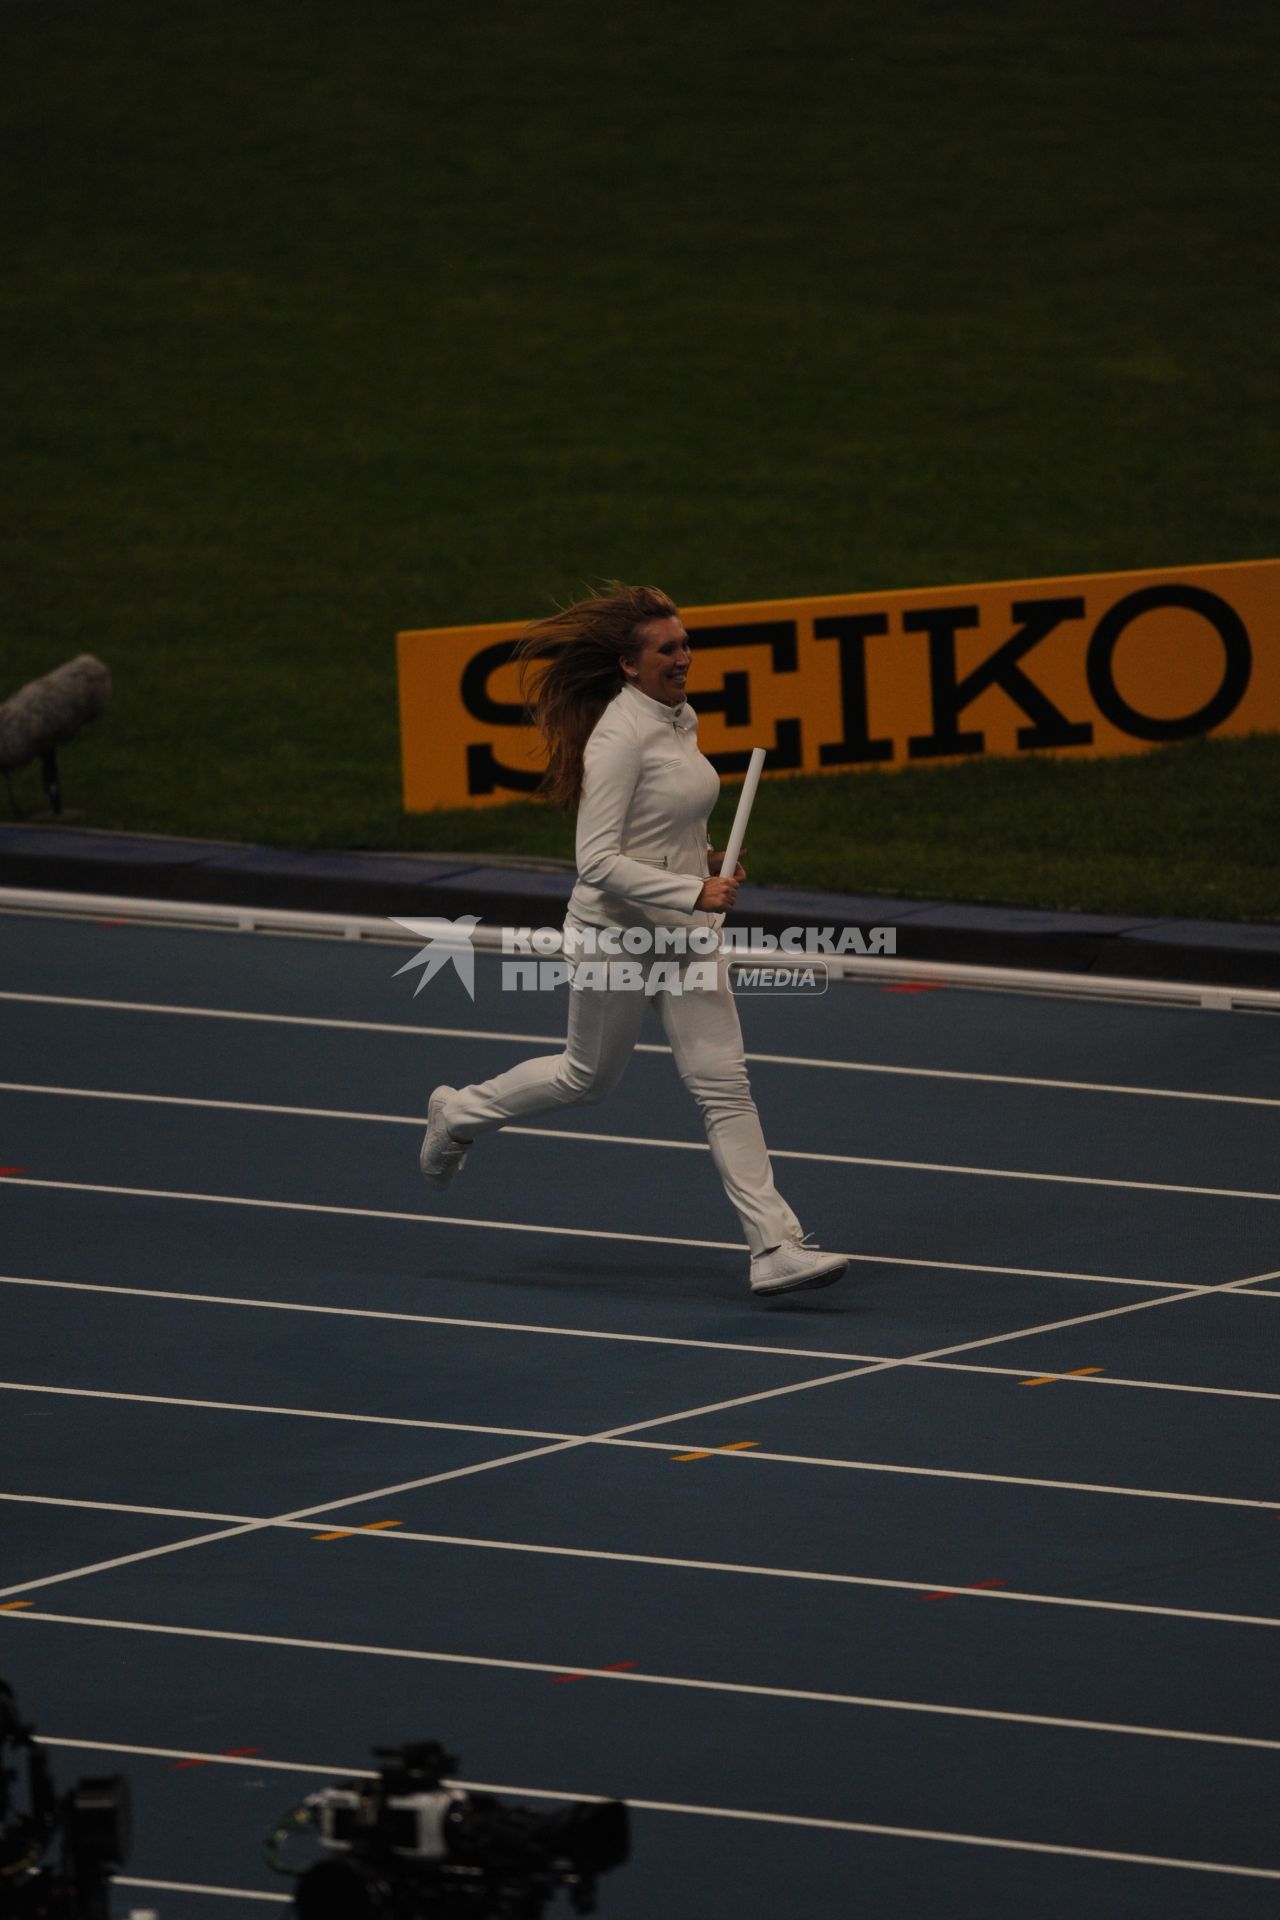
(4, 1170)
(228, 1753)
(974, 1586)
(915, 986)
(615, 1666)
(111, 923)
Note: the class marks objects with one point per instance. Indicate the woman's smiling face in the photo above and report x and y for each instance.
(661, 666)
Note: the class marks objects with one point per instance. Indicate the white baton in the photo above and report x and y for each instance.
(738, 832)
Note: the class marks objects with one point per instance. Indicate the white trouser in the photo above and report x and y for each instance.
(706, 1040)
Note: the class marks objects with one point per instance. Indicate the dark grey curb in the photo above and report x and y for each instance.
(533, 893)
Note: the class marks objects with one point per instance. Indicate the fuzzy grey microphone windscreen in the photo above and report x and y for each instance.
(48, 711)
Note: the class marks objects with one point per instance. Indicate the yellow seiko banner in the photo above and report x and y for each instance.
(1101, 663)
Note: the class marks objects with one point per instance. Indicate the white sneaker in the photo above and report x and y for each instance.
(442, 1156)
(795, 1264)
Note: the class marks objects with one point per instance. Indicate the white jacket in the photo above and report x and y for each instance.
(647, 794)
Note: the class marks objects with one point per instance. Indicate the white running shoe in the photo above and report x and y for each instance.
(442, 1156)
(795, 1264)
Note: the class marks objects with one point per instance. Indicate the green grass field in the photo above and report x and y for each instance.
(322, 322)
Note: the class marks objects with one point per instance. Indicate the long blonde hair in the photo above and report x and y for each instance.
(571, 667)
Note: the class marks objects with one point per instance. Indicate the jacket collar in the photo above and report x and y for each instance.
(682, 716)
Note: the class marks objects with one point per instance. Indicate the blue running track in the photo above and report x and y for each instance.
(952, 1589)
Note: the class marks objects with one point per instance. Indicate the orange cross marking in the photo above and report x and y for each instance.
(374, 1526)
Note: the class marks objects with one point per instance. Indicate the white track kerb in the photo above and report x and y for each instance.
(878, 967)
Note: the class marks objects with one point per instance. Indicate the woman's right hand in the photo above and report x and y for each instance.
(717, 895)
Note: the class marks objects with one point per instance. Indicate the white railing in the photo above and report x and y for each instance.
(882, 968)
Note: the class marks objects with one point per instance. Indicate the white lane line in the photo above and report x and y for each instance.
(1057, 1179)
(649, 1446)
(249, 1106)
(866, 1259)
(411, 1028)
(1075, 1379)
(814, 1696)
(1021, 1273)
(372, 1213)
(579, 1136)
(644, 1339)
(472, 1542)
(1256, 1278)
(256, 1760)
(617, 1433)
(525, 1455)
(127, 1506)
(194, 1886)
(510, 1226)
(556, 1040)
(1017, 1080)
(1000, 1842)
(291, 1413)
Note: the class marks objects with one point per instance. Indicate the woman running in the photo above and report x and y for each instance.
(605, 683)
